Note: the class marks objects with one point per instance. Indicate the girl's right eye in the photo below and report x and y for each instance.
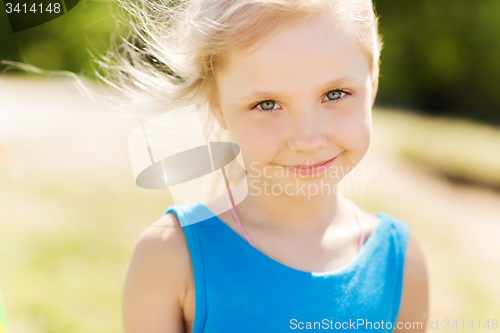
(266, 106)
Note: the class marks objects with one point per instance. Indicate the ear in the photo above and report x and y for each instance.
(374, 89)
(218, 114)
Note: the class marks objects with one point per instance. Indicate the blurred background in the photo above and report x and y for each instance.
(70, 211)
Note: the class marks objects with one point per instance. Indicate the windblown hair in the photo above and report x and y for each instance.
(174, 49)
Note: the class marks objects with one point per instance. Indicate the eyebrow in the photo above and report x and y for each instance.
(261, 94)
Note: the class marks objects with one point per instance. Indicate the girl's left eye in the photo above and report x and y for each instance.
(266, 106)
(334, 95)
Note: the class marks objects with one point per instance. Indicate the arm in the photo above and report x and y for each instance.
(414, 302)
(157, 280)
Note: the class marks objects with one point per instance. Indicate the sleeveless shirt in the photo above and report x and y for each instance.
(240, 289)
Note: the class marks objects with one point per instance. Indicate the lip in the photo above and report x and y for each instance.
(313, 169)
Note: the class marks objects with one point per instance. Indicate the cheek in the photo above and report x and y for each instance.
(351, 128)
(363, 128)
(259, 140)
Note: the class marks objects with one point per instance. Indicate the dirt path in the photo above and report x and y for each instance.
(50, 123)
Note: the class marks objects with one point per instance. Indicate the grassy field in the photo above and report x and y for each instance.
(64, 252)
(71, 213)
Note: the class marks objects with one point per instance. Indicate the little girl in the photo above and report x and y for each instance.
(292, 82)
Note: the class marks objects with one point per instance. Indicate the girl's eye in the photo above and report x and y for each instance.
(266, 106)
(335, 95)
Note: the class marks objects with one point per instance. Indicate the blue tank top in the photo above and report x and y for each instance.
(240, 289)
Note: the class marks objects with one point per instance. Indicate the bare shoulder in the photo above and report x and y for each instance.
(157, 279)
(415, 299)
(369, 222)
(162, 236)
(164, 244)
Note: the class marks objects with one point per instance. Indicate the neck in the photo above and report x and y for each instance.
(281, 210)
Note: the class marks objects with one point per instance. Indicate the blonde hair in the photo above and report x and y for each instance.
(174, 49)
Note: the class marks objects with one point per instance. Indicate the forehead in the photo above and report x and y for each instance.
(309, 53)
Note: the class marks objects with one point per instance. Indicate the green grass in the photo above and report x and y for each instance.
(63, 263)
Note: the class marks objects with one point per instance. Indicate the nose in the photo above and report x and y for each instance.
(307, 137)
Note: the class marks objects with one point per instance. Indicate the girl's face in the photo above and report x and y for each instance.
(299, 98)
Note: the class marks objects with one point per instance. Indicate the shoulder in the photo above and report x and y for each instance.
(415, 300)
(163, 238)
(163, 246)
(157, 279)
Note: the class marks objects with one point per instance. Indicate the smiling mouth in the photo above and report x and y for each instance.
(311, 169)
(310, 166)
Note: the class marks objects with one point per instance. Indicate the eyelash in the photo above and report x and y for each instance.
(346, 93)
